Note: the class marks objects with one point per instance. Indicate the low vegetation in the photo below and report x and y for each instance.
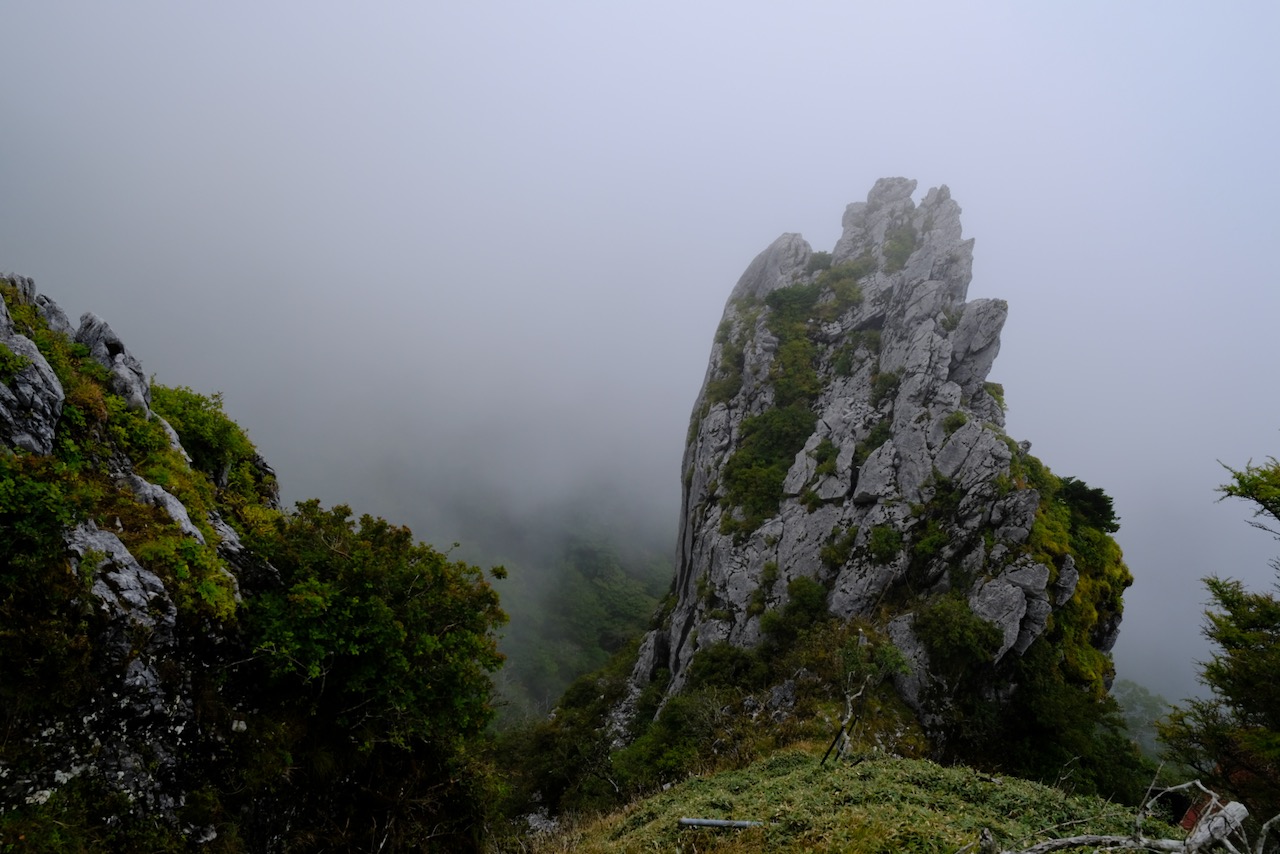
(874, 805)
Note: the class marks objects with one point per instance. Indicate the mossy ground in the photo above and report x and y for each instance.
(880, 804)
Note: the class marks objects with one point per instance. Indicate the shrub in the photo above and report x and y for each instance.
(899, 243)
(838, 548)
(754, 475)
(818, 261)
(954, 636)
(954, 422)
(806, 605)
(10, 364)
(884, 385)
(825, 455)
(879, 434)
(884, 543)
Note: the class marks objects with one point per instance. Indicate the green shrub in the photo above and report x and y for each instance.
(884, 385)
(954, 422)
(806, 605)
(10, 364)
(880, 433)
(825, 455)
(725, 665)
(884, 543)
(818, 261)
(996, 390)
(836, 552)
(810, 500)
(899, 243)
(954, 636)
(754, 475)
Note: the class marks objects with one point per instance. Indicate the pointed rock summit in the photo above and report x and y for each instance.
(846, 433)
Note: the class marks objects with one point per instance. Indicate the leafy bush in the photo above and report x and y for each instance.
(1232, 736)
(883, 386)
(955, 637)
(899, 243)
(825, 455)
(996, 390)
(954, 422)
(391, 635)
(884, 543)
(818, 261)
(880, 433)
(754, 475)
(10, 364)
(836, 552)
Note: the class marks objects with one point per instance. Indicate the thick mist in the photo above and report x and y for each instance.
(460, 265)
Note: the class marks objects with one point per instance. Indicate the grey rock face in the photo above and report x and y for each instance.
(149, 493)
(910, 435)
(31, 400)
(127, 377)
(138, 727)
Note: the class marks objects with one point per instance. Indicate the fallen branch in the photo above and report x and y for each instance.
(1218, 824)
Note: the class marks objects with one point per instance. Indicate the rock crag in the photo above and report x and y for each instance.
(846, 432)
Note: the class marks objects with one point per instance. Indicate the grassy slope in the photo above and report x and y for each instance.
(878, 805)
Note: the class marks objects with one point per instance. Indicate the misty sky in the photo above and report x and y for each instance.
(424, 247)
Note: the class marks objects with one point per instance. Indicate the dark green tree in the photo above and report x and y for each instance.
(376, 652)
(1232, 737)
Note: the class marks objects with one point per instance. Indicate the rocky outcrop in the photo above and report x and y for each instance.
(127, 377)
(846, 432)
(135, 724)
(31, 398)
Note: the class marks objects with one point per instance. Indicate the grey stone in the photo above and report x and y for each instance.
(1068, 577)
(31, 401)
(941, 348)
(1002, 604)
(149, 493)
(106, 348)
(976, 343)
(775, 267)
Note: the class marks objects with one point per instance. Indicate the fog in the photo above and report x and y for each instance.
(440, 256)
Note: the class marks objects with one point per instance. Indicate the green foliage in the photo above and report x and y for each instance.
(1056, 731)
(11, 364)
(806, 605)
(45, 618)
(390, 635)
(996, 390)
(899, 243)
(1092, 507)
(883, 386)
(842, 282)
(1232, 737)
(954, 421)
(818, 261)
(836, 552)
(754, 475)
(931, 541)
(857, 347)
(217, 445)
(956, 638)
(825, 455)
(884, 543)
(724, 665)
(880, 433)
(1066, 524)
(876, 806)
(726, 386)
